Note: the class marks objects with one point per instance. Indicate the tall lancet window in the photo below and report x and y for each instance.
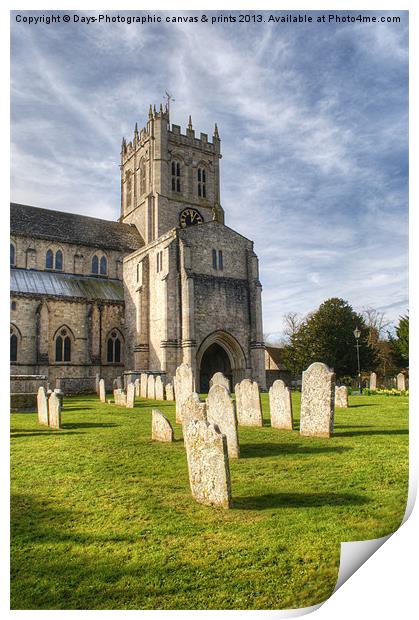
(176, 187)
(202, 183)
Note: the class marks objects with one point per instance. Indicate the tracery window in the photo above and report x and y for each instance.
(176, 187)
(63, 346)
(114, 348)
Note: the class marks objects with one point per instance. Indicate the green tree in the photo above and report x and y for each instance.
(327, 336)
(400, 344)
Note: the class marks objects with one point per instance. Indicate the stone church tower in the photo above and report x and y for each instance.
(192, 292)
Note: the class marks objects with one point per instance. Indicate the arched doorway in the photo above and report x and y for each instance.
(215, 359)
(220, 352)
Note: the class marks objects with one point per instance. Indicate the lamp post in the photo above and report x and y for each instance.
(357, 335)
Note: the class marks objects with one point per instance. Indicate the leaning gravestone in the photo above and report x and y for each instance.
(221, 412)
(280, 405)
(151, 389)
(220, 379)
(170, 393)
(158, 388)
(193, 409)
(137, 387)
(373, 381)
(249, 411)
(161, 429)
(317, 401)
(184, 385)
(143, 385)
(130, 395)
(401, 382)
(208, 467)
(102, 392)
(341, 397)
(42, 403)
(54, 407)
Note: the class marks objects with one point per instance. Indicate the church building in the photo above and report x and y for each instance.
(168, 283)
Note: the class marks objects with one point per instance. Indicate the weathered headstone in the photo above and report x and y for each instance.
(137, 387)
(42, 403)
(341, 397)
(120, 397)
(170, 393)
(151, 387)
(208, 466)
(130, 395)
(60, 395)
(221, 411)
(193, 409)
(158, 388)
(161, 429)
(184, 386)
(317, 401)
(219, 379)
(54, 408)
(248, 407)
(373, 381)
(102, 391)
(280, 405)
(401, 382)
(143, 385)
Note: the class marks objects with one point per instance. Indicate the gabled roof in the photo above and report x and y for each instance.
(72, 228)
(53, 284)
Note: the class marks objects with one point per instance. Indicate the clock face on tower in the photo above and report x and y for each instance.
(189, 217)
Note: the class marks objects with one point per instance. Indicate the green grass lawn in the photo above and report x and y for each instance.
(102, 517)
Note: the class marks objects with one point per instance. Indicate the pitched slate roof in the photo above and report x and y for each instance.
(53, 284)
(72, 228)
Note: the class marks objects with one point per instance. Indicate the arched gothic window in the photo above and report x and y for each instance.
(12, 255)
(13, 345)
(202, 183)
(114, 348)
(175, 176)
(95, 264)
(103, 266)
(59, 260)
(142, 177)
(63, 347)
(49, 260)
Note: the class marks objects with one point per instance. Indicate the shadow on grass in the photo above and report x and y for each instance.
(401, 431)
(89, 425)
(17, 433)
(297, 500)
(258, 450)
(365, 405)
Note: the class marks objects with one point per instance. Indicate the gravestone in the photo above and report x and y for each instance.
(130, 396)
(221, 411)
(120, 397)
(208, 466)
(161, 429)
(249, 411)
(341, 397)
(317, 401)
(158, 388)
(42, 404)
(151, 393)
(170, 393)
(401, 382)
(143, 385)
(219, 379)
(373, 381)
(193, 409)
(280, 405)
(184, 386)
(137, 387)
(102, 392)
(60, 395)
(54, 408)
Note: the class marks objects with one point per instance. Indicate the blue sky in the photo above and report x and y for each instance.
(313, 123)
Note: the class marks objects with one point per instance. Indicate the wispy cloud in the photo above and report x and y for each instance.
(313, 122)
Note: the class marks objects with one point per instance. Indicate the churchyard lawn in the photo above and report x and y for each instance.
(103, 518)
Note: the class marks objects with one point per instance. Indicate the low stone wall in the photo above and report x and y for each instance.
(22, 402)
(27, 384)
